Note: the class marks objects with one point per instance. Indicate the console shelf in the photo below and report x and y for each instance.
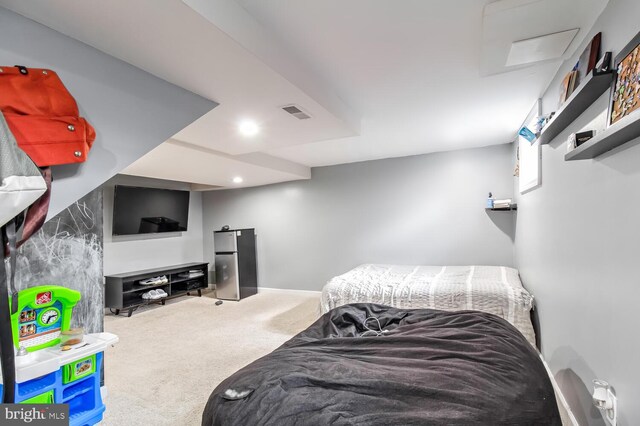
(581, 99)
(124, 291)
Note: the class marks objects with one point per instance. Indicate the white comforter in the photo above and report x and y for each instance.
(493, 289)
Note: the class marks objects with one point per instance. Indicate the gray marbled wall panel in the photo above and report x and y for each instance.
(67, 251)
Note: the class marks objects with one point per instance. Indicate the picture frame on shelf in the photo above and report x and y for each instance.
(625, 88)
(571, 142)
(589, 58)
(604, 64)
(568, 85)
(577, 139)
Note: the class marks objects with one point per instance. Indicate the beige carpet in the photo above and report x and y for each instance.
(171, 357)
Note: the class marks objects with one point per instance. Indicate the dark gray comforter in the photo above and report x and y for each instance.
(429, 368)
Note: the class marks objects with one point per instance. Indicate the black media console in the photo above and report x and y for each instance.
(124, 291)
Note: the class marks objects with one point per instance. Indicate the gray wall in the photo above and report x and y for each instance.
(426, 209)
(577, 248)
(134, 252)
(131, 110)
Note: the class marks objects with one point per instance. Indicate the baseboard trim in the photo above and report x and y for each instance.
(288, 291)
(565, 410)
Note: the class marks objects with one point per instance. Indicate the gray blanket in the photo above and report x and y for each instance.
(405, 367)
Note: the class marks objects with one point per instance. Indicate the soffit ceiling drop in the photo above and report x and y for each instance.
(415, 68)
(206, 166)
(379, 78)
(170, 40)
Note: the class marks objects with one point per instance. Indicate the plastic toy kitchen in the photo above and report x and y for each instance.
(53, 363)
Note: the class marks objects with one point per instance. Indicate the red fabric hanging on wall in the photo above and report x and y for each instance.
(43, 116)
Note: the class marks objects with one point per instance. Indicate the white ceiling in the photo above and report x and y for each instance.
(380, 78)
(509, 21)
(413, 68)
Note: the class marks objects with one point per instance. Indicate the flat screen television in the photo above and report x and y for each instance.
(149, 210)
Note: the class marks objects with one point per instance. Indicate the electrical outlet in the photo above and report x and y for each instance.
(611, 414)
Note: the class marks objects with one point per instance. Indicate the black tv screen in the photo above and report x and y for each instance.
(149, 210)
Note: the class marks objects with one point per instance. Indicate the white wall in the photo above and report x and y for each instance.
(131, 110)
(577, 249)
(423, 210)
(135, 252)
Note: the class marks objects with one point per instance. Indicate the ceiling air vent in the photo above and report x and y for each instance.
(296, 112)
(542, 48)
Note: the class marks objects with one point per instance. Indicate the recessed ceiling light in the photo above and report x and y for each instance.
(237, 179)
(248, 128)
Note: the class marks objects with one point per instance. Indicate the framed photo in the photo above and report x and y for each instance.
(589, 58)
(625, 89)
(568, 86)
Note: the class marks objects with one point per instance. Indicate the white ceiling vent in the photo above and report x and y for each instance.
(543, 48)
(296, 112)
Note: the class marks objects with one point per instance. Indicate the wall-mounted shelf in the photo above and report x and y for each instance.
(581, 99)
(512, 207)
(619, 133)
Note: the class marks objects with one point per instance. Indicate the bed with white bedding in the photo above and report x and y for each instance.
(493, 289)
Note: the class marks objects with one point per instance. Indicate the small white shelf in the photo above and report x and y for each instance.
(512, 207)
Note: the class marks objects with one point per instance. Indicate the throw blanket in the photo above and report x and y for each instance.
(405, 367)
(493, 289)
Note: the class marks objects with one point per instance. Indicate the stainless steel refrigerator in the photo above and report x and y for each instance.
(235, 263)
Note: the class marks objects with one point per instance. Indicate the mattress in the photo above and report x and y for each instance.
(368, 364)
(493, 289)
